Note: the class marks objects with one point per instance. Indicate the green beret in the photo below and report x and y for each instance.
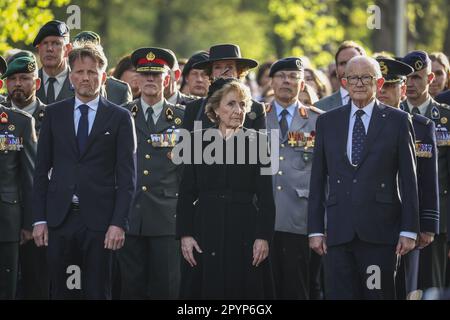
(20, 65)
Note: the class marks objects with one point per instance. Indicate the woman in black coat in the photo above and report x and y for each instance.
(226, 212)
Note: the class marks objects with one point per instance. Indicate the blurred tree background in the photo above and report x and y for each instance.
(264, 29)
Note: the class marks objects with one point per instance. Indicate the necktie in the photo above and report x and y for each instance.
(358, 138)
(150, 122)
(415, 110)
(284, 127)
(83, 128)
(51, 90)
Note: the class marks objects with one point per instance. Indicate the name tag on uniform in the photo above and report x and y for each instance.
(442, 136)
(167, 139)
(301, 139)
(424, 150)
(9, 142)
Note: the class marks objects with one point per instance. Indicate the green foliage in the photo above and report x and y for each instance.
(20, 20)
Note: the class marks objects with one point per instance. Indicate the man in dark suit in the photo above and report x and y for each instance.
(17, 155)
(361, 149)
(115, 90)
(150, 259)
(53, 45)
(433, 257)
(394, 88)
(346, 51)
(81, 210)
(22, 82)
(225, 60)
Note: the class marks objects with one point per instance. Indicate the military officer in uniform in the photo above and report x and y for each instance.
(25, 97)
(225, 61)
(150, 259)
(394, 87)
(296, 122)
(2, 70)
(433, 257)
(22, 82)
(53, 45)
(17, 155)
(115, 90)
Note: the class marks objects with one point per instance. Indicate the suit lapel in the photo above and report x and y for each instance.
(377, 122)
(98, 126)
(41, 92)
(69, 124)
(342, 123)
(139, 119)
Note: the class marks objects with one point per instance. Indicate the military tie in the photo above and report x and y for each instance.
(83, 128)
(51, 90)
(284, 127)
(358, 138)
(415, 110)
(150, 122)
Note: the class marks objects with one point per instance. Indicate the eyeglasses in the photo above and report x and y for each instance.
(353, 80)
(291, 77)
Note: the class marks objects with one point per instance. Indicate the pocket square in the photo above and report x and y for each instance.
(107, 133)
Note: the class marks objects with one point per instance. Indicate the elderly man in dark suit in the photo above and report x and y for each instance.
(363, 151)
(81, 209)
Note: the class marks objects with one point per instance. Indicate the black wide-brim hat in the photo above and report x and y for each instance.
(2, 65)
(225, 52)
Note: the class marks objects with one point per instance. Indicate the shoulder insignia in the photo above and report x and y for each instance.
(303, 112)
(435, 114)
(445, 106)
(3, 118)
(268, 107)
(41, 114)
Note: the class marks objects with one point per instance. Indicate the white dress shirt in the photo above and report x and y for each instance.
(58, 84)
(345, 96)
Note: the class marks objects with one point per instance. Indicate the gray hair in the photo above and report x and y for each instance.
(370, 60)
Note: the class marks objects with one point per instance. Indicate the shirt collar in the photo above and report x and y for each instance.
(368, 109)
(157, 107)
(343, 92)
(30, 109)
(59, 77)
(93, 104)
(291, 108)
(422, 108)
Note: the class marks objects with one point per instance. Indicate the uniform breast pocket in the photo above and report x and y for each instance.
(302, 159)
(9, 197)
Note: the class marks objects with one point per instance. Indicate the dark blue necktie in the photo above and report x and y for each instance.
(284, 127)
(83, 128)
(358, 138)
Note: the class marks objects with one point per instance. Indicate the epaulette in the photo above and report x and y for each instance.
(118, 80)
(14, 109)
(316, 110)
(445, 106)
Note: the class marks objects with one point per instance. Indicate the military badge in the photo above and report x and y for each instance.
(134, 110)
(442, 136)
(435, 114)
(177, 121)
(41, 115)
(31, 66)
(303, 113)
(298, 63)
(418, 65)
(383, 67)
(9, 142)
(11, 127)
(444, 120)
(150, 56)
(424, 150)
(301, 139)
(165, 140)
(268, 107)
(4, 118)
(169, 114)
